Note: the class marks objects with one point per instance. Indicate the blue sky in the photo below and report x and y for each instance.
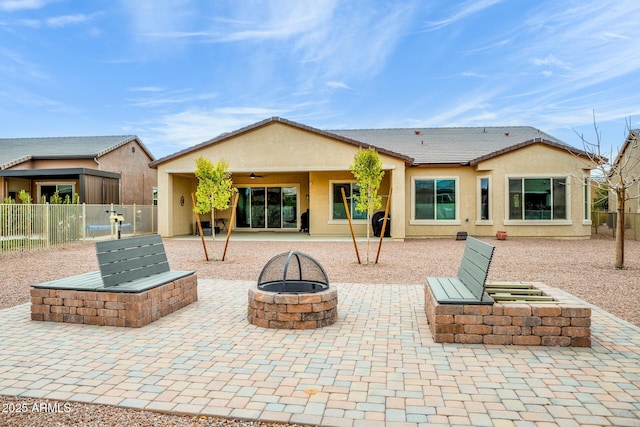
(179, 72)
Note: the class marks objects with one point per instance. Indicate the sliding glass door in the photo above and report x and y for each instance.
(267, 207)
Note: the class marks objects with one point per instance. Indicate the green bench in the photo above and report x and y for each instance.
(129, 265)
(469, 286)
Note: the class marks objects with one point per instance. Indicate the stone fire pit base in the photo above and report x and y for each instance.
(293, 311)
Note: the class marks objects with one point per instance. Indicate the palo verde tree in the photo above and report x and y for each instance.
(214, 189)
(367, 169)
(618, 176)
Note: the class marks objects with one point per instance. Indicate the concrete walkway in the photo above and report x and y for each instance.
(376, 366)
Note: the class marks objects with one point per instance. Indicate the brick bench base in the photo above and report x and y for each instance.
(113, 308)
(293, 311)
(565, 323)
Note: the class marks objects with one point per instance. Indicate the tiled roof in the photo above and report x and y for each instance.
(416, 146)
(16, 150)
(459, 145)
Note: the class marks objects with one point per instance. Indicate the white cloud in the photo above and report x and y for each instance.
(66, 20)
(175, 131)
(467, 9)
(549, 60)
(13, 5)
(158, 97)
(337, 85)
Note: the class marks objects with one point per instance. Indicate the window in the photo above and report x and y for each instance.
(47, 190)
(587, 199)
(434, 199)
(351, 190)
(270, 207)
(537, 198)
(484, 200)
(154, 196)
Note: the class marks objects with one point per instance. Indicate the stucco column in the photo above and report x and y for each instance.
(398, 217)
(165, 210)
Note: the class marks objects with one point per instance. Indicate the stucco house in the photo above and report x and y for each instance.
(100, 169)
(445, 180)
(628, 163)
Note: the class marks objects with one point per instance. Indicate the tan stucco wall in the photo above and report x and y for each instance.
(533, 161)
(284, 155)
(287, 155)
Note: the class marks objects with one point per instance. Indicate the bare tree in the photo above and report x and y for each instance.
(618, 175)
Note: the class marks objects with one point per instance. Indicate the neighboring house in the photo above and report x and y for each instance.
(627, 168)
(100, 169)
(444, 180)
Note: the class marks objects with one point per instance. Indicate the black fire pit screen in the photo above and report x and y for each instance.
(293, 273)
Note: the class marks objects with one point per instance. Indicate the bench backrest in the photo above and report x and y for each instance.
(474, 266)
(129, 259)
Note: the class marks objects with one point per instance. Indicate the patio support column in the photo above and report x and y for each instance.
(398, 203)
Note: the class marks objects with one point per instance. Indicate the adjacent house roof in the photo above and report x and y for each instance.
(633, 139)
(14, 151)
(419, 146)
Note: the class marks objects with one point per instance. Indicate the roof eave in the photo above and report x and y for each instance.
(634, 135)
(529, 142)
(15, 162)
(130, 138)
(254, 126)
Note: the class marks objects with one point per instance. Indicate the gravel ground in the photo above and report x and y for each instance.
(583, 268)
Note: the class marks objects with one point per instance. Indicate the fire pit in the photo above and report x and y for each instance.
(293, 293)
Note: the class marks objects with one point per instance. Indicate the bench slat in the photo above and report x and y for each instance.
(469, 286)
(134, 263)
(130, 259)
(130, 275)
(82, 282)
(146, 283)
(118, 255)
(110, 245)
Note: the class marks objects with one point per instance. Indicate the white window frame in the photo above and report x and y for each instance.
(331, 202)
(537, 222)
(479, 220)
(414, 221)
(586, 202)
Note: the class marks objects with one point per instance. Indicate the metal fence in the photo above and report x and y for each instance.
(605, 222)
(26, 227)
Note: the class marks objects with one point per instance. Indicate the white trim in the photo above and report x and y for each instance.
(586, 204)
(414, 221)
(479, 220)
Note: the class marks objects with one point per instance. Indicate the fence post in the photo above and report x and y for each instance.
(46, 225)
(135, 219)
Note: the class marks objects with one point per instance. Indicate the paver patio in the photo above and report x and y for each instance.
(378, 365)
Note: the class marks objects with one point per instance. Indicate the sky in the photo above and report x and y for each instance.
(177, 73)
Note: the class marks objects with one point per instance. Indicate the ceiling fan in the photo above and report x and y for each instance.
(254, 176)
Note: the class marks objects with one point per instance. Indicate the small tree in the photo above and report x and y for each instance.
(367, 169)
(618, 176)
(24, 197)
(214, 189)
(55, 199)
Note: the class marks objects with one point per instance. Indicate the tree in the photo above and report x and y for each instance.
(618, 176)
(24, 197)
(214, 189)
(367, 169)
